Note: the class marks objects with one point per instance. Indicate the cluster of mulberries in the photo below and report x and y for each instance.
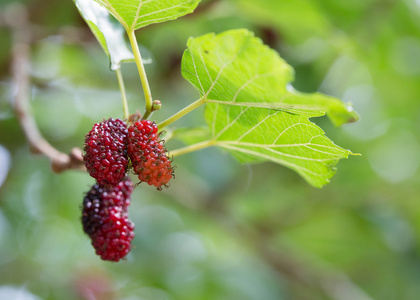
(110, 145)
(111, 149)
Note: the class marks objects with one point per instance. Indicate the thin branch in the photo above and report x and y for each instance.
(18, 22)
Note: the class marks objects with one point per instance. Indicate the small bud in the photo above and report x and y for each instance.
(156, 105)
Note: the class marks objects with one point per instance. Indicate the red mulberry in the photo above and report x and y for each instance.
(113, 240)
(148, 154)
(106, 152)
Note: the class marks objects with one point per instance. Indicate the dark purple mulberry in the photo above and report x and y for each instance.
(105, 219)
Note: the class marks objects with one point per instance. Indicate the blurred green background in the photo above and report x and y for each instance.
(222, 231)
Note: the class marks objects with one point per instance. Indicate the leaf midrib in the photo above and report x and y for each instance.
(134, 24)
(109, 6)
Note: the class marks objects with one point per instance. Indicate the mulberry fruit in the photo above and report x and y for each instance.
(105, 219)
(113, 241)
(148, 155)
(106, 152)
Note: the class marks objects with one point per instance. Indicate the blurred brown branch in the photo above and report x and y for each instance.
(331, 283)
(16, 17)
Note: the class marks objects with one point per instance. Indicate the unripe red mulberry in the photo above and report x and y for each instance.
(106, 152)
(105, 220)
(148, 154)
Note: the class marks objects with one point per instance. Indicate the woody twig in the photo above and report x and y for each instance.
(16, 17)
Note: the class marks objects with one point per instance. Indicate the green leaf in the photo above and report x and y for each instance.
(108, 31)
(235, 68)
(253, 113)
(134, 14)
(255, 135)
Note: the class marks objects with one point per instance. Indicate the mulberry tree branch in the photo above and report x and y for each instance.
(17, 20)
(333, 284)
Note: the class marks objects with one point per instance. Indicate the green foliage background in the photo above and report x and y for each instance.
(223, 230)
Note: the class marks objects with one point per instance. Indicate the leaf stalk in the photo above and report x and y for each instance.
(182, 113)
(142, 73)
(192, 148)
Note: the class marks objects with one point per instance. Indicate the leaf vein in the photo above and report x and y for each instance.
(165, 9)
(229, 124)
(256, 125)
(277, 160)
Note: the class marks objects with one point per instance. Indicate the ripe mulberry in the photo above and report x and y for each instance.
(105, 219)
(148, 154)
(106, 152)
(113, 241)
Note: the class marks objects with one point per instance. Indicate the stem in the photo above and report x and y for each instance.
(142, 73)
(182, 113)
(20, 82)
(123, 94)
(192, 148)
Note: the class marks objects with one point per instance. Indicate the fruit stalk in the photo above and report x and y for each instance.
(123, 94)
